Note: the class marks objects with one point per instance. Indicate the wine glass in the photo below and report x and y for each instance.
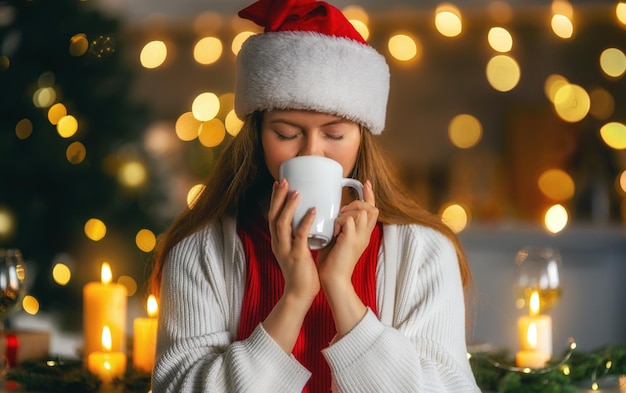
(537, 270)
(11, 290)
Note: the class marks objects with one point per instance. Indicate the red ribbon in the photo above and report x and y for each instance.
(11, 352)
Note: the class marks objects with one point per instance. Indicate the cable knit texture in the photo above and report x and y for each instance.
(418, 345)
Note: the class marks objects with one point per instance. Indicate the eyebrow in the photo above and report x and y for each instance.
(330, 123)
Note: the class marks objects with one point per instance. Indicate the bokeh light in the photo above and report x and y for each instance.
(7, 223)
(56, 113)
(403, 47)
(30, 304)
(67, 126)
(187, 127)
(620, 12)
(556, 218)
(129, 283)
(78, 44)
(239, 40)
(132, 174)
(61, 274)
(503, 73)
(556, 184)
(613, 62)
(23, 129)
(193, 194)
(153, 54)
(572, 103)
(500, 39)
(465, 131)
(145, 240)
(455, 217)
(76, 153)
(205, 106)
(212, 133)
(562, 26)
(233, 123)
(614, 135)
(207, 50)
(95, 229)
(44, 97)
(448, 20)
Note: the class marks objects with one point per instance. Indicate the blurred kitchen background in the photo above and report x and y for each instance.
(508, 118)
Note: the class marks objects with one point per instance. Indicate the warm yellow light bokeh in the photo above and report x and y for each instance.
(207, 50)
(132, 174)
(44, 97)
(153, 54)
(556, 184)
(455, 217)
(129, 283)
(613, 62)
(95, 229)
(239, 40)
(30, 304)
(193, 194)
(23, 129)
(67, 126)
(61, 274)
(205, 106)
(556, 218)
(145, 240)
(212, 133)
(361, 28)
(76, 153)
(614, 135)
(572, 103)
(500, 39)
(621, 183)
(503, 73)
(448, 20)
(402, 47)
(56, 113)
(7, 223)
(465, 131)
(79, 44)
(233, 123)
(187, 127)
(562, 26)
(620, 12)
(552, 84)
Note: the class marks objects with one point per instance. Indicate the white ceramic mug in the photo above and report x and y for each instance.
(319, 181)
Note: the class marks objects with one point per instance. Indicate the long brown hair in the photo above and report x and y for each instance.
(240, 177)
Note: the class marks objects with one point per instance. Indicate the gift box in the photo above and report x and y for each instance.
(21, 345)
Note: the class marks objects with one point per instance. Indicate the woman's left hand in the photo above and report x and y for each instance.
(335, 264)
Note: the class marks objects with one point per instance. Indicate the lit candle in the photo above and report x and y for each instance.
(144, 339)
(104, 303)
(535, 337)
(107, 364)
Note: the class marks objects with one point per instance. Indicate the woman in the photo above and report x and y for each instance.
(245, 305)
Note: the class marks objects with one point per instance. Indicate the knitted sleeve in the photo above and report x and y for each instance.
(195, 349)
(425, 349)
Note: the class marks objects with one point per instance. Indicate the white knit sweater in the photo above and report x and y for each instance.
(418, 345)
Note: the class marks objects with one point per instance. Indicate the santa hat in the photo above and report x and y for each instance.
(310, 57)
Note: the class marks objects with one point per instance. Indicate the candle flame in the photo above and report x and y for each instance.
(531, 335)
(106, 275)
(106, 338)
(153, 306)
(534, 303)
(107, 365)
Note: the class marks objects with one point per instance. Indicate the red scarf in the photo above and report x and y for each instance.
(264, 286)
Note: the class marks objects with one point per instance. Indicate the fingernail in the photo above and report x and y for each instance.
(274, 185)
(294, 194)
(368, 183)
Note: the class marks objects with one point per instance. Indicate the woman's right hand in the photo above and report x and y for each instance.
(302, 282)
(292, 252)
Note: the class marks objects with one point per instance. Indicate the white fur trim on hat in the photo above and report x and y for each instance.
(311, 71)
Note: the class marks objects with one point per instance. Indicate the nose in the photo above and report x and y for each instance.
(312, 145)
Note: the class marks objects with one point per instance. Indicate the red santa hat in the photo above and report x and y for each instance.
(310, 57)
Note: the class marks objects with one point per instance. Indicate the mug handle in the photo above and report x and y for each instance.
(354, 183)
